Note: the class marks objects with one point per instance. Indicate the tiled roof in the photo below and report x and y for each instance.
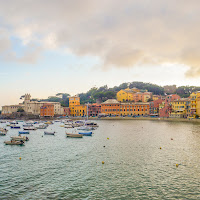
(111, 101)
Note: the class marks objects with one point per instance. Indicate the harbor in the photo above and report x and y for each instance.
(123, 159)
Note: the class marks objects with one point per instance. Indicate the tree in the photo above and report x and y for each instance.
(20, 110)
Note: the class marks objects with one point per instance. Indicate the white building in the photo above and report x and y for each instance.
(32, 107)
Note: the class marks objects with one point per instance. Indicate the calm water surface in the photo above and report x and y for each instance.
(56, 167)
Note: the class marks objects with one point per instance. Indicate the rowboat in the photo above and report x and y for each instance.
(3, 130)
(30, 128)
(42, 126)
(86, 133)
(74, 135)
(13, 142)
(91, 124)
(49, 133)
(14, 126)
(68, 126)
(2, 133)
(84, 128)
(19, 138)
(23, 132)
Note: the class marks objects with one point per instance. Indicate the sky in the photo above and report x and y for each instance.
(70, 46)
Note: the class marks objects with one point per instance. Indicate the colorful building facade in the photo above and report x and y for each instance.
(47, 110)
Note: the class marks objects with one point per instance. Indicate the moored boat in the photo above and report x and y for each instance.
(69, 126)
(23, 132)
(91, 124)
(84, 128)
(86, 133)
(30, 128)
(74, 135)
(2, 133)
(42, 126)
(19, 138)
(13, 142)
(14, 126)
(49, 132)
(3, 130)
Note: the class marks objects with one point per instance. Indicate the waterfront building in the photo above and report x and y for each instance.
(31, 107)
(156, 97)
(66, 111)
(73, 101)
(47, 110)
(134, 109)
(94, 109)
(165, 107)
(80, 110)
(154, 107)
(181, 108)
(110, 107)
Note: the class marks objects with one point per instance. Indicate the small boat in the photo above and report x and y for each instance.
(86, 133)
(49, 132)
(27, 125)
(68, 126)
(84, 128)
(62, 125)
(13, 122)
(74, 135)
(48, 122)
(14, 126)
(23, 132)
(19, 138)
(42, 126)
(2, 133)
(3, 130)
(91, 124)
(13, 142)
(30, 128)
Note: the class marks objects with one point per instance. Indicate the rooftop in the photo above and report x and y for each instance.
(111, 101)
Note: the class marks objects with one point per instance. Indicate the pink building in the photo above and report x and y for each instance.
(164, 112)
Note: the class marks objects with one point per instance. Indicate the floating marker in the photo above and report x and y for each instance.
(160, 148)
(108, 138)
(177, 165)
(102, 162)
(20, 158)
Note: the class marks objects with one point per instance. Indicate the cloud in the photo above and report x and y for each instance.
(121, 33)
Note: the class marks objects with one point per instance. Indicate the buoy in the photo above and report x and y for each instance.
(20, 158)
(108, 138)
(104, 146)
(171, 138)
(160, 148)
(102, 162)
(177, 165)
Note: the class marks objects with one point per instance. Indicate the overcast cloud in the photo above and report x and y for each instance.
(121, 33)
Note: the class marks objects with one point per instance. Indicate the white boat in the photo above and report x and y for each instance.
(85, 128)
(49, 132)
(30, 128)
(19, 138)
(74, 135)
(42, 126)
(91, 124)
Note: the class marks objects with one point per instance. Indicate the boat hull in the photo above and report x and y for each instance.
(86, 133)
(49, 133)
(23, 132)
(14, 142)
(73, 135)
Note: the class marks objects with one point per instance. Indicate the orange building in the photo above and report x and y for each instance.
(47, 110)
(110, 107)
(139, 109)
(137, 96)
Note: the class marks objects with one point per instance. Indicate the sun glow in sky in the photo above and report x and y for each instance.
(47, 47)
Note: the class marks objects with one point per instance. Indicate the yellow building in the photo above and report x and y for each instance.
(73, 101)
(80, 110)
(126, 95)
(195, 98)
(181, 108)
(156, 97)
